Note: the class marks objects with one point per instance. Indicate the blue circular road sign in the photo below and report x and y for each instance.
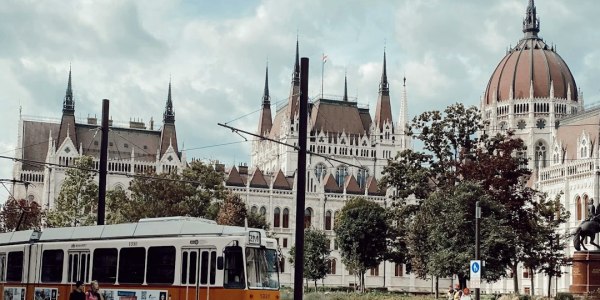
(475, 267)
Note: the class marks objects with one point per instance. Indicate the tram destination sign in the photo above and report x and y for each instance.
(254, 237)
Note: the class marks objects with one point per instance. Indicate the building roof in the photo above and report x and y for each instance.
(335, 117)
(531, 67)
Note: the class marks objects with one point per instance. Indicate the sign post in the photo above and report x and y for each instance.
(475, 271)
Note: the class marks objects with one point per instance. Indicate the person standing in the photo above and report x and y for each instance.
(94, 292)
(77, 293)
(466, 294)
(450, 293)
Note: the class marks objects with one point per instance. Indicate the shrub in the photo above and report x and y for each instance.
(564, 296)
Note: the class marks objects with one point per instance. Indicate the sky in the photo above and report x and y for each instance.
(215, 54)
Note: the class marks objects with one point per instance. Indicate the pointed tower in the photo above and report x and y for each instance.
(168, 136)
(345, 88)
(403, 116)
(266, 122)
(531, 24)
(67, 122)
(294, 99)
(383, 112)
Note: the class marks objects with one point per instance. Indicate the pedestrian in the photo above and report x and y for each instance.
(466, 294)
(450, 293)
(458, 294)
(78, 293)
(94, 292)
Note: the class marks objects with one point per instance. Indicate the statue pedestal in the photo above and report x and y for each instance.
(585, 272)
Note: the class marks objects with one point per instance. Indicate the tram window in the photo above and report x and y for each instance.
(213, 265)
(204, 267)
(161, 265)
(14, 267)
(52, 265)
(184, 271)
(131, 265)
(234, 268)
(2, 267)
(104, 269)
(189, 264)
(79, 266)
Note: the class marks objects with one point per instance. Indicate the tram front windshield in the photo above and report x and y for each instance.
(262, 268)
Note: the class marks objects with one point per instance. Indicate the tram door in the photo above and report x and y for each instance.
(79, 266)
(2, 273)
(198, 272)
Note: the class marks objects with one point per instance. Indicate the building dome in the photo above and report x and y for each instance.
(531, 67)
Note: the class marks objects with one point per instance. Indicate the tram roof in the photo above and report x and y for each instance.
(156, 227)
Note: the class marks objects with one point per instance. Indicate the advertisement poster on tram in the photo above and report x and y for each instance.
(14, 293)
(45, 294)
(110, 294)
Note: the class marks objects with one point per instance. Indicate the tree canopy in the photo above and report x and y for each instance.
(77, 202)
(361, 230)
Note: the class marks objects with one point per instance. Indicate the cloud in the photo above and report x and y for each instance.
(215, 54)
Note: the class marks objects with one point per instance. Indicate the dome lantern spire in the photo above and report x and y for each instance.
(531, 23)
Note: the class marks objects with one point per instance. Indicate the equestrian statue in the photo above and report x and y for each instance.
(588, 228)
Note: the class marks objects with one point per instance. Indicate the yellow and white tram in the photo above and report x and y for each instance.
(155, 259)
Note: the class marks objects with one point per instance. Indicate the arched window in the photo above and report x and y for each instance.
(332, 265)
(540, 155)
(276, 217)
(320, 171)
(286, 218)
(578, 208)
(584, 149)
(361, 177)
(340, 175)
(254, 209)
(328, 220)
(263, 211)
(307, 217)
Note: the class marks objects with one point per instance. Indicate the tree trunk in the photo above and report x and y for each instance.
(316, 286)
(462, 281)
(307, 285)
(362, 281)
(532, 282)
(549, 285)
(437, 287)
(513, 269)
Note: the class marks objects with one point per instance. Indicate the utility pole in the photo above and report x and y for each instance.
(301, 186)
(103, 163)
(477, 220)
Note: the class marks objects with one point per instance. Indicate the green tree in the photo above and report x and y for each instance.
(546, 249)
(232, 211)
(172, 194)
(361, 230)
(454, 152)
(443, 234)
(316, 255)
(117, 207)
(29, 214)
(77, 202)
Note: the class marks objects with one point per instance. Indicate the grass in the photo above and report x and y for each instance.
(288, 295)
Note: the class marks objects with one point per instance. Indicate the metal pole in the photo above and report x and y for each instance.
(301, 186)
(477, 220)
(103, 163)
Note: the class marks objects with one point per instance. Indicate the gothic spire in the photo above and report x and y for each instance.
(265, 121)
(296, 76)
(169, 115)
(531, 23)
(384, 86)
(266, 97)
(69, 103)
(345, 88)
